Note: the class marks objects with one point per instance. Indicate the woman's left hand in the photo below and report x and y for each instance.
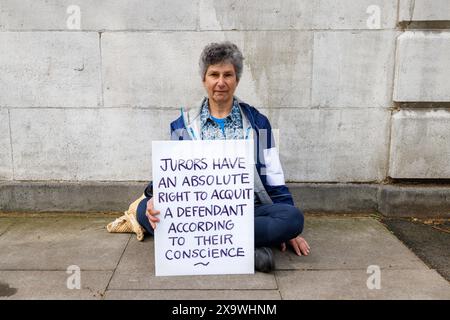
(300, 246)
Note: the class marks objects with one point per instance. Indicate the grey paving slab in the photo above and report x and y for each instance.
(54, 243)
(5, 223)
(136, 270)
(16, 285)
(348, 243)
(352, 284)
(193, 295)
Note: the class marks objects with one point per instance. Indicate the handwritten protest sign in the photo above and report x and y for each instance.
(204, 191)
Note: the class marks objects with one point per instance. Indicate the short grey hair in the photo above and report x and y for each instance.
(223, 52)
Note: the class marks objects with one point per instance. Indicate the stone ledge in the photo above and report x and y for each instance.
(424, 10)
(337, 197)
(343, 198)
(53, 196)
(413, 200)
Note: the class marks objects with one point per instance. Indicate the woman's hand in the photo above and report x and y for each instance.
(300, 246)
(151, 213)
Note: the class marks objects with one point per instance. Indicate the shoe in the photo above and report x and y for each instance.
(264, 261)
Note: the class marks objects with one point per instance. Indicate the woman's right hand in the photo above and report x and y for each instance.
(151, 213)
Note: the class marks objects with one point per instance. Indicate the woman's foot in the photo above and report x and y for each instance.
(264, 261)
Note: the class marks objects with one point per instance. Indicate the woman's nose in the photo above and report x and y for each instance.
(221, 81)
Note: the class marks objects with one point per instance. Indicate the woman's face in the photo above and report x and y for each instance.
(220, 82)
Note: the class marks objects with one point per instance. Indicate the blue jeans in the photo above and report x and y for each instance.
(274, 223)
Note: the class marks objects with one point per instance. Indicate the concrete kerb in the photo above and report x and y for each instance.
(32, 196)
(328, 197)
(347, 198)
(414, 200)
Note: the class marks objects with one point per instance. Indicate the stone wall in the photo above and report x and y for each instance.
(359, 90)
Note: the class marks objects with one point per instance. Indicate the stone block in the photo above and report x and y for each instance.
(5, 147)
(99, 15)
(420, 147)
(348, 14)
(353, 69)
(423, 67)
(297, 14)
(50, 69)
(112, 144)
(424, 10)
(332, 145)
(255, 15)
(161, 69)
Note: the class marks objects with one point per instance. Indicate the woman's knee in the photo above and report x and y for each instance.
(296, 220)
(142, 208)
(142, 217)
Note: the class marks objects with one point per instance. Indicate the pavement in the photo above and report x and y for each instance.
(37, 250)
(428, 238)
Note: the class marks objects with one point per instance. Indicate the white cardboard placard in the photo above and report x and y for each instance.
(204, 191)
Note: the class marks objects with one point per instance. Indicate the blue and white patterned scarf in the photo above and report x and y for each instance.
(210, 130)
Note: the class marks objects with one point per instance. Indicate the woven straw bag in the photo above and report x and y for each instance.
(128, 222)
